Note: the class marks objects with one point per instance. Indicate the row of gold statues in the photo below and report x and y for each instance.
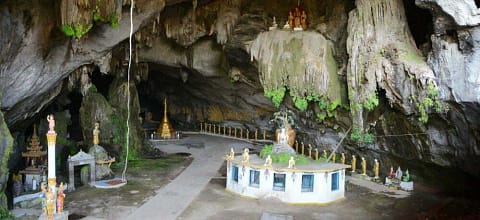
(231, 132)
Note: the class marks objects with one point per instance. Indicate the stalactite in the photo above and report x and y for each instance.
(378, 42)
(301, 61)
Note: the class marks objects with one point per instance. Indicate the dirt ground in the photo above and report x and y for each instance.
(214, 203)
(145, 177)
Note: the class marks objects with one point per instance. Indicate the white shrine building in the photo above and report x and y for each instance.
(313, 183)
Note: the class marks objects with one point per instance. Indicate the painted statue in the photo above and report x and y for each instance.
(376, 168)
(50, 197)
(43, 196)
(406, 178)
(51, 124)
(96, 132)
(60, 198)
(354, 163)
(364, 166)
(398, 173)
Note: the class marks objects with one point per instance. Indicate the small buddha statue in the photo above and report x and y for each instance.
(392, 173)
(406, 178)
(354, 163)
(303, 20)
(268, 161)
(334, 156)
(274, 24)
(376, 168)
(343, 158)
(398, 173)
(364, 166)
(96, 132)
(325, 154)
(291, 163)
(231, 156)
(245, 156)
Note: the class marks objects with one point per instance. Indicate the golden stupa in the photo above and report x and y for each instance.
(35, 156)
(165, 130)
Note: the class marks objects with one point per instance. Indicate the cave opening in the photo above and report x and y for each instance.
(420, 22)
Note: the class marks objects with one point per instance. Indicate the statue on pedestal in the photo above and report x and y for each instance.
(343, 158)
(354, 163)
(51, 124)
(364, 166)
(96, 132)
(376, 168)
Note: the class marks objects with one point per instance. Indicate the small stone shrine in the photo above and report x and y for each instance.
(81, 158)
(165, 130)
(35, 162)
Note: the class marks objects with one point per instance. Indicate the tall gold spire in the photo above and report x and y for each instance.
(165, 130)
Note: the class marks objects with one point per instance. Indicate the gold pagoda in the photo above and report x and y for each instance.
(34, 155)
(165, 130)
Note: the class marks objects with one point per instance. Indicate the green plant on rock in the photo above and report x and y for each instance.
(327, 108)
(120, 136)
(361, 137)
(282, 158)
(300, 103)
(276, 95)
(430, 102)
(68, 30)
(5, 213)
(76, 31)
(371, 102)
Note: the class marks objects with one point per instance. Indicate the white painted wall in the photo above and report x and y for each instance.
(322, 192)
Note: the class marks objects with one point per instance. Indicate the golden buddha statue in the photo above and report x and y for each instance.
(376, 169)
(96, 133)
(165, 130)
(354, 163)
(364, 166)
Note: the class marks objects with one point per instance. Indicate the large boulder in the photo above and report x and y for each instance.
(102, 171)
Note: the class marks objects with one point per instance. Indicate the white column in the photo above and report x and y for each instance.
(51, 139)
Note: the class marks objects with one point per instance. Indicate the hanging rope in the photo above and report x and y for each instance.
(128, 90)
